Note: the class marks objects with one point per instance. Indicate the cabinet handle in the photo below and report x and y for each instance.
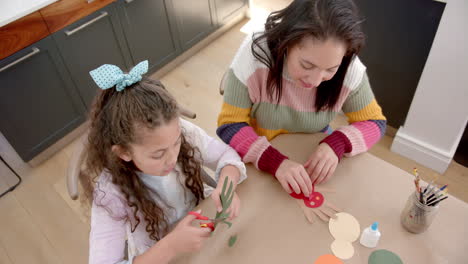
(128, 1)
(32, 53)
(73, 31)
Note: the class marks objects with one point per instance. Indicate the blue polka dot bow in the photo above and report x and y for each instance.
(108, 76)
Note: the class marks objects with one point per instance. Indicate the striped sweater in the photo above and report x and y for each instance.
(249, 118)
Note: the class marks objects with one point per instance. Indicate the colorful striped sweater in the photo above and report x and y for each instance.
(249, 118)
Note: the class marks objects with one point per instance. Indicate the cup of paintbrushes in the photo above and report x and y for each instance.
(417, 215)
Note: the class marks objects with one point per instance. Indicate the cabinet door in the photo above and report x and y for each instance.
(147, 31)
(87, 44)
(38, 102)
(226, 8)
(194, 20)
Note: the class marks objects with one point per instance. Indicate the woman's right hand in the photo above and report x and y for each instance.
(293, 175)
(186, 238)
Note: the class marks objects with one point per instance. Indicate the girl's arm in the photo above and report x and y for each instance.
(159, 253)
(223, 160)
(216, 155)
(107, 236)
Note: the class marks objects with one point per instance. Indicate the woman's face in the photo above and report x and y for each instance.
(313, 61)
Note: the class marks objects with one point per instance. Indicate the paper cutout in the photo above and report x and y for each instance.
(226, 200)
(324, 209)
(344, 227)
(342, 249)
(383, 256)
(316, 200)
(232, 240)
(328, 259)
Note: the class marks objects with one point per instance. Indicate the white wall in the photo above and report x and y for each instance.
(439, 110)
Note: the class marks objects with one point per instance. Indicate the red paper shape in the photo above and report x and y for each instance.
(316, 200)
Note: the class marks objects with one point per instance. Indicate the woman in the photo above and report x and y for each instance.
(294, 77)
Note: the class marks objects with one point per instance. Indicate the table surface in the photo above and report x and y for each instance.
(272, 228)
(11, 10)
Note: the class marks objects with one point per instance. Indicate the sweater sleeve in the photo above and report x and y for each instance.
(215, 154)
(108, 232)
(367, 123)
(234, 120)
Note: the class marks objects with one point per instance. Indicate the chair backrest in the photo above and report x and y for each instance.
(222, 83)
(79, 155)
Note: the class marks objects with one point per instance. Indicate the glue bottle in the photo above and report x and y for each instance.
(370, 236)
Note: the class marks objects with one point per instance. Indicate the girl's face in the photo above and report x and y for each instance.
(156, 153)
(313, 61)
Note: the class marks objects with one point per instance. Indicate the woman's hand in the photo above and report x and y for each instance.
(293, 175)
(321, 164)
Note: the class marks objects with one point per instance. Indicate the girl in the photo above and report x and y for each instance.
(143, 171)
(294, 77)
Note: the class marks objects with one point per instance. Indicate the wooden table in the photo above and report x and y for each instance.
(272, 227)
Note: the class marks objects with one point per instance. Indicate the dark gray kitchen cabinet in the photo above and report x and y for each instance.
(195, 20)
(225, 9)
(90, 42)
(46, 89)
(148, 31)
(38, 101)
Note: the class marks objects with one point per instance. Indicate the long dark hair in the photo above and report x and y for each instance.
(115, 119)
(320, 19)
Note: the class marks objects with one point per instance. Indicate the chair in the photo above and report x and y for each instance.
(222, 84)
(76, 162)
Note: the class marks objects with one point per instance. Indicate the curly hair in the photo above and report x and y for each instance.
(115, 119)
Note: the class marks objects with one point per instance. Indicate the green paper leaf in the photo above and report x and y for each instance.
(226, 199)
(227, 223)
(232, 240)
(229, 201)
(223, 215)
(224, 185)
(229, 192)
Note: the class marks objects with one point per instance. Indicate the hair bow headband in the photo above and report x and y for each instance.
(108, 76)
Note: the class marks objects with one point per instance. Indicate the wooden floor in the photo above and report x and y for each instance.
(40, 224)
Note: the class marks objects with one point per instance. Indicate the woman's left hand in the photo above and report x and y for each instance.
(321, 164)
(233, 173)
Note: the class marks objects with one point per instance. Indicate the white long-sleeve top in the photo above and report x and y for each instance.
(109, 230)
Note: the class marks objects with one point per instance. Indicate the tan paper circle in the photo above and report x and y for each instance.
(344, 227)
(342, 249)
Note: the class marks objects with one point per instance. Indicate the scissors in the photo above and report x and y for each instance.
(211, 224)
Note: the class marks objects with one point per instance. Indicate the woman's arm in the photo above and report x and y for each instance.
(367, 123)
(234, 128)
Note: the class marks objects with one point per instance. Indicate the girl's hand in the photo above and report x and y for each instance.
(322, 164)
(186, 238)
(293, 175)
(233, 173)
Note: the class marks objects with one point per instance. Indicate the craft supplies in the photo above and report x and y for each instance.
(370, 236)
(422, 206)
(345, 229)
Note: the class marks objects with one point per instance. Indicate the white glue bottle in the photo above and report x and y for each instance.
(370, 236)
